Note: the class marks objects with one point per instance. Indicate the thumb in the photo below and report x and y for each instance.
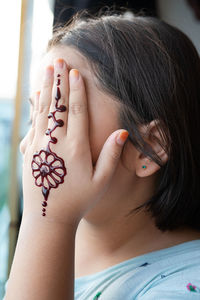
(109, 156)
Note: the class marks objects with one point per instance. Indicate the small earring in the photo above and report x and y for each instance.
(144, 167)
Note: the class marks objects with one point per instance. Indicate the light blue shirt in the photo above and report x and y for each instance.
(172, 273)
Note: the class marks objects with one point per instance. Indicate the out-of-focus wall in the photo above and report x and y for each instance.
(25, 31)
(180, 14)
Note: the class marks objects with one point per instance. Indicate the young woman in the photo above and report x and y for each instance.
(111, 166)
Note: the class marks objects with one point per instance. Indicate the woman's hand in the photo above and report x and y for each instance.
(84, 184)
(43, 265)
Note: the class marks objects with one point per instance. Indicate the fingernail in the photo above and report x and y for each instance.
(49, 72)
(59, 63)
(37, 95)
(73, 75)
(122, 137)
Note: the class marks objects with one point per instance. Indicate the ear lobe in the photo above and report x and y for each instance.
(153, 136)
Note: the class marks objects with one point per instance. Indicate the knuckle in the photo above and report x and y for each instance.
(75, 150)
(76, 88)
(74, 153)
(61, 76)
(22, 146)
(34, 118)
(27, 141)
(115, 155)
(47, 84)
(76, 108)
(63, 100)
(43, 108)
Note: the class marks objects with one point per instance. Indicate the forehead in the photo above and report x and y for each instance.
(72, 57)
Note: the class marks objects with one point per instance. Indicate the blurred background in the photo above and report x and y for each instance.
(25, 28)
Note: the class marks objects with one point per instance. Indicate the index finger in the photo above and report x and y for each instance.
(77, 128)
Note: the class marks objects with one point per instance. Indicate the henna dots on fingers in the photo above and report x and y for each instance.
(48, 168)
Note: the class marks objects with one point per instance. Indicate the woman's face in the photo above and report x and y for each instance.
(102, 109)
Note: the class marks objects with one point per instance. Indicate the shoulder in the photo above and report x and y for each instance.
(178, 284)
(176, 275)
(181, 292)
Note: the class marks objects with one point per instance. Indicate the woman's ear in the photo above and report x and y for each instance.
(145, 166)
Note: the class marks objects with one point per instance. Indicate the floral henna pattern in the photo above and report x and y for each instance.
(193, 288)
(48, 169)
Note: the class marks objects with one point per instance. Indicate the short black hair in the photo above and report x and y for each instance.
(153, 70)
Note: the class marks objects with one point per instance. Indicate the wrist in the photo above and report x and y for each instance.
(44, 256)
(37, 220)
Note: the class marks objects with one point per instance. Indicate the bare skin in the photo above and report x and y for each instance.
(93, 211)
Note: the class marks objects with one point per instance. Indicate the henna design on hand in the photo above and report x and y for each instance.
(48, 169)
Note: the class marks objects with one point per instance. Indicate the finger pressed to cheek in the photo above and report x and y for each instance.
(45, 96)
(35, 108)
(58, 107)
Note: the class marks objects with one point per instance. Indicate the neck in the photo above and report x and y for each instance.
(101, 246)
(106, 236)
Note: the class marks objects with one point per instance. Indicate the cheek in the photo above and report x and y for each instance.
(97, 140)
(129, 156)
(102, 123)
